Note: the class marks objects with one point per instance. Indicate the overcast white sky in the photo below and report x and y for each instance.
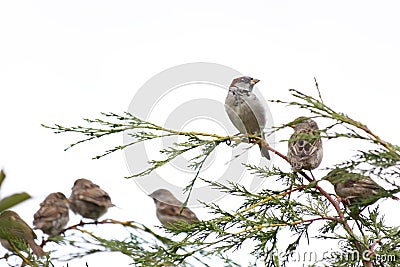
(62, 61)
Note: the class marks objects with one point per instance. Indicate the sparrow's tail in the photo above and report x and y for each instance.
(392, 192)
(37, 249)
(264, 151)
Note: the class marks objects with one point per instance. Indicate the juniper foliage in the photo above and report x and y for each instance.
(298, 208)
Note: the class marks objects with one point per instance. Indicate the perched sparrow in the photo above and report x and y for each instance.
(53, 214)
(89, 200)
(14, 231)
(168, 209)
(245, 110)
(357, 190)
(304, 146)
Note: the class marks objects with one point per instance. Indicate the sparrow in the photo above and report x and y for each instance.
(89, 200)
(357, 190)
(305, 145)
(15, 231)
(245, 110)
(169, 209)
(53, 214)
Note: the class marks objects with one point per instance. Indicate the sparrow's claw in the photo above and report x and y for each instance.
(252, 140)
(345, 201)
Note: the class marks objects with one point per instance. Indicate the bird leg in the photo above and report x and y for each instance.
(345, 201)
(312, 175)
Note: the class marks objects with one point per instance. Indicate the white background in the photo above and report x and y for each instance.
(61, 61)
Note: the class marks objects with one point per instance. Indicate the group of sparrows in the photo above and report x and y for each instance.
(87, 199)
(248, 115)
(305, 151)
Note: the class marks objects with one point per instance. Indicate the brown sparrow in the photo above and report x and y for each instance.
(89, 200)
(14, 231)
(245, 110)
(305, 146)
(357, 190)
(53, 214)
(169, 209)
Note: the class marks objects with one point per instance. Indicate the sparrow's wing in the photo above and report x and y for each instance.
(20, 228)
(364, 186)
(94, 194)
(368, 183)
(168, 209)
(362, 190)
(304, 145)
(49, 213)
(188, 214)
(175, 211)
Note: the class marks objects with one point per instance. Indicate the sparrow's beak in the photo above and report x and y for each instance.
(254, 81)
(292, 126)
